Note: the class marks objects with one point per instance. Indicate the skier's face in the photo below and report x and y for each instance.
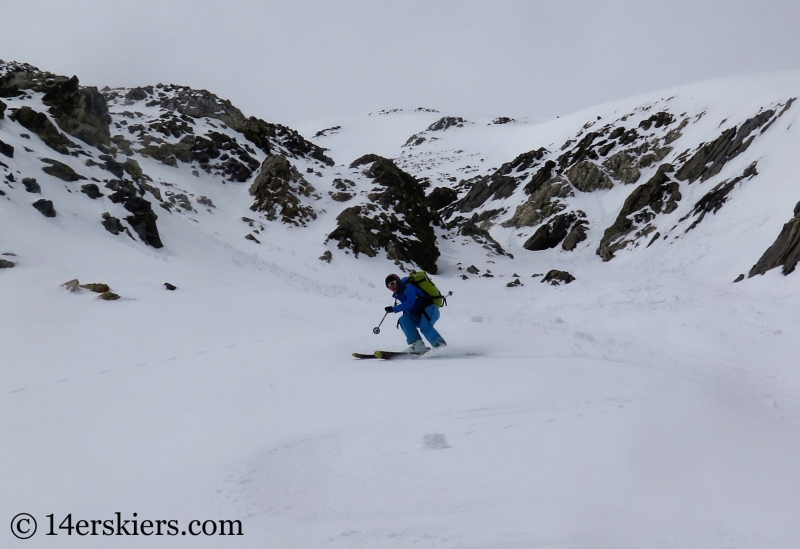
(392, 285)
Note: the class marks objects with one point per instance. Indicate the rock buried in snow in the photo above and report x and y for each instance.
(169, 286)
(515, 282)
(435, 441)
(5, 264)
(108, 296)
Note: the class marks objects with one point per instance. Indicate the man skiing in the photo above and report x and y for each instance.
(419, 314)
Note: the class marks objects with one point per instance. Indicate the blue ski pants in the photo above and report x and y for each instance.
(409, 323)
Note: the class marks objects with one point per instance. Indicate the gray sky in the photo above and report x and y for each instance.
(291, 61)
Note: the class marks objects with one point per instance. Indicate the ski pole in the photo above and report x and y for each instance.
(377, 329)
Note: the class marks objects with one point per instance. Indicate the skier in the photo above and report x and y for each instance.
(419, 314)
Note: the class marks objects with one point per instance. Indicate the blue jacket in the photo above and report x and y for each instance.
(412, 299)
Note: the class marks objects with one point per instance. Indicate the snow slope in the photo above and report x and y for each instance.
(650, 403)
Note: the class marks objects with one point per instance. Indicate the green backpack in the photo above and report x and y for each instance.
(421, 280)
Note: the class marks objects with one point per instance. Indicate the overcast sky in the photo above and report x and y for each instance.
(292, 61)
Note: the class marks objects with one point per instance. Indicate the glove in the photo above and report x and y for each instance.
(389, 309)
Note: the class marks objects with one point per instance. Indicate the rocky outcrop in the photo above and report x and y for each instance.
(2, 110)
(194, 104)
(61, 170)
(39, 124)
(143, 220)
(710, 158)
(588, 177)
(556, 230)
(659, 195)
(447, 122)
(281, 192)
(80, 111)
(396, 219)
(784, 252)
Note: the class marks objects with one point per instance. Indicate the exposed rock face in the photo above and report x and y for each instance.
(39, 124)
(45, 207)
(447, 122)
(80, 111)
(112, 224)
(2, 109)
(194, 104)
(441, 197)
(396, 220)
(482, 237)
(143, 220)
(61, 170)
(710, 158)
(588, 177)
(6, 149)
(659, 195)
(785, 251)
(279, 190)
(543, 203)
(556, 230)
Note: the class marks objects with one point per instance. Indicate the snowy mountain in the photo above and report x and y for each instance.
(641, 398)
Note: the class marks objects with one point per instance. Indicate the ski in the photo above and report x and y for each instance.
(388, 355)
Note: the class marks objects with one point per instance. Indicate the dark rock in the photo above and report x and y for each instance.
(503, 120)
(80, 111)
(514, 283)
(341, 197)
(739, 278)
(713, 200)
(552, 233)
(397, 220)
(143, 220)
(170, 287)
(784, 252)
(327, 256)
(253, 238)
(60, 170)
(5, 264)
(556, 277)
(659, 195)
(6, 149)
(541, 177)
(39, 124)
(112, 224)
(576, 235)
(447, 122)
(441, 197)
(31, 185)
(472, 269)
(136, 94)
(415, 140)
(108, 296)
(279, 189)
(205, 201)
(546, 201)
(710, 158)
(658, 120)
(2, 109)
(45, 207)
(366, 159)
(502, 183)
(91, 190)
